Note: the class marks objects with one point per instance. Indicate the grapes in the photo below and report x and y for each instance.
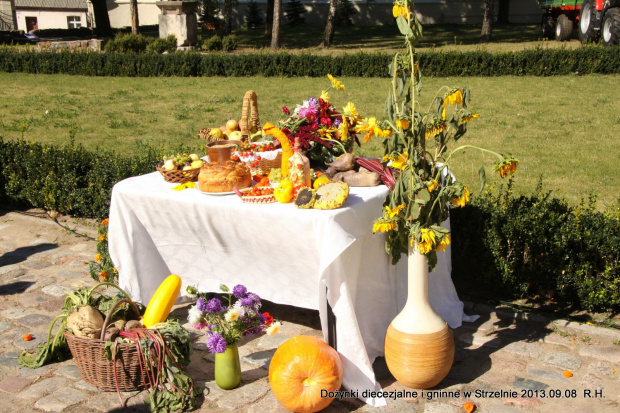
(275, 176)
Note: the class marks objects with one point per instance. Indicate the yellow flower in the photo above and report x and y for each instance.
(98, 257)
(427, 240)
(443, 114)
(395, 10)
(400, 162)
(368, 126)
(115, 270)
(445, 241)
(101, 238)
(402, 123)
(391, 213)
(470, 117)
(404, 11)
(432, 186)
(350, 111)
(105, 222)
(509, 167)
(464, 199)
(434, 131)
(383, 226)
(324, 96)
(103, 275)
(335, 82)
(453, 98)
(344, 130)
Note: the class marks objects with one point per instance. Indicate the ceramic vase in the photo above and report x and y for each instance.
(228, 368)
(419, 346)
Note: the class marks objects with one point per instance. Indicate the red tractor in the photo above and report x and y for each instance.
(596, 19)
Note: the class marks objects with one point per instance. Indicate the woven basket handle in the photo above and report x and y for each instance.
(109, 316)
(249, 114)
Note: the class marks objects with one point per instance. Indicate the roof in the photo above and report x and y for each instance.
(51, 4)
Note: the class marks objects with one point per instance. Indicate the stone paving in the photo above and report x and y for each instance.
(510, 362)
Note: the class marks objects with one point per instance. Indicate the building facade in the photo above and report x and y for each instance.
(51, 14)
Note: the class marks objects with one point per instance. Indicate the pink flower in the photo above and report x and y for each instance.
(326, 121)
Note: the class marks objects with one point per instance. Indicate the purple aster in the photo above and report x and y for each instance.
(201, 305)
(313, 101)
(254, 297)
(213, 306)
(210, 327)
(246, 302)
(216, 343)
(239, 291)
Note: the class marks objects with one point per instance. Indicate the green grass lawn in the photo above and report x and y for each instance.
(563, 128)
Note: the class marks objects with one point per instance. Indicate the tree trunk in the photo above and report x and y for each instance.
(102, 20)
(487, 23)
(227, 17)
(503, 12)
(269, 19)
(328, 35)
(275, 31)
(135, 23)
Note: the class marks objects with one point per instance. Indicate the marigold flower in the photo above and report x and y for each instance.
(432, 186)
(335, 82)
(469, 407)
(27, 337)
(383, 226)
(470, 117)
(98, 257)
(568, 374)
(445, 241)
(105, 222)
(103, 275)
(453, 98)
(391, 213)
(115, 270)
(462, 200)
(101, 238)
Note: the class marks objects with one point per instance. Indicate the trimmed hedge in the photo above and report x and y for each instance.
(535, 62)
(537, 246)
(502, 246)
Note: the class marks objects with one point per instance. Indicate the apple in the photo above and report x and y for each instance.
(193, 157)
(232, 125)
(197, 164)
(226, 134)
(170, 165)
(235, 135)
(217, 134)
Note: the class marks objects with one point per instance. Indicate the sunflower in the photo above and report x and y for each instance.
(463, 199)
(432, 186)
(427, 240)
(470, 117)
(391, 213)
(454, 97)
(508, 167)
(445, 241)
(379, 226)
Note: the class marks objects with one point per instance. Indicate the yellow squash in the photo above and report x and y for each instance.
(161, 303)
(287, 148)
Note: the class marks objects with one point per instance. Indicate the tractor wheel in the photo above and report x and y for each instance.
(611, 27)
(563, 28)
(587, 22)
(547, 26)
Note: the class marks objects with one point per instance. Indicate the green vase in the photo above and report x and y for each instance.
(228, 368)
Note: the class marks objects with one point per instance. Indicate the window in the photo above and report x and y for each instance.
(74, 22)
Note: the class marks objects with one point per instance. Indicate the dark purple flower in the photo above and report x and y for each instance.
(239, 291)
(216, 343)
(201, 305)
(254, 297)
(213, 306)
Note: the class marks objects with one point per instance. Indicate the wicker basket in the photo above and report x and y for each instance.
(256, 200)
(179, 176)
(266, 165)
(105, 374)
(249, 117)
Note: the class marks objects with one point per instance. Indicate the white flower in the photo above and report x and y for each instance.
(240, 308)
(298, 107)
(194, 315)
(273, 328)
(233, 314)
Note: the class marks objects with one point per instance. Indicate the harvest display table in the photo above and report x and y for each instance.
(286, 255)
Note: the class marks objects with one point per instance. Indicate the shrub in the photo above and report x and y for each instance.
(229, 43)
(213, 44)
(127, 43)
(160, 45)
(537, 246)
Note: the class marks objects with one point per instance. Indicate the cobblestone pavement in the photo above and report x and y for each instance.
(511, 362)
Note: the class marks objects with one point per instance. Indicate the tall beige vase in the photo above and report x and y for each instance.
(419, 347)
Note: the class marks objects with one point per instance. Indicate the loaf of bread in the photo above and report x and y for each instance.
(223, 177)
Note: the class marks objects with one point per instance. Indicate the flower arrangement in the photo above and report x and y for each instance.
(102, 268)
(323, 131)
(228, 322)
(416, 153)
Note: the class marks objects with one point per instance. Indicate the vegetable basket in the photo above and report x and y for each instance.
(124, 373)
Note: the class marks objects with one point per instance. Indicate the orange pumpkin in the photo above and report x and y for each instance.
(300, 369)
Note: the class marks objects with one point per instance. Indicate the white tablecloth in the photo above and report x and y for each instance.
(284, 254)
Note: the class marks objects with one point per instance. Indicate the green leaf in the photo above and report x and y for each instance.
(389, 106)
(403, 26)
(483, 178)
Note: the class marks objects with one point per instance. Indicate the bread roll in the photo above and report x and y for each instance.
(223, 177)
